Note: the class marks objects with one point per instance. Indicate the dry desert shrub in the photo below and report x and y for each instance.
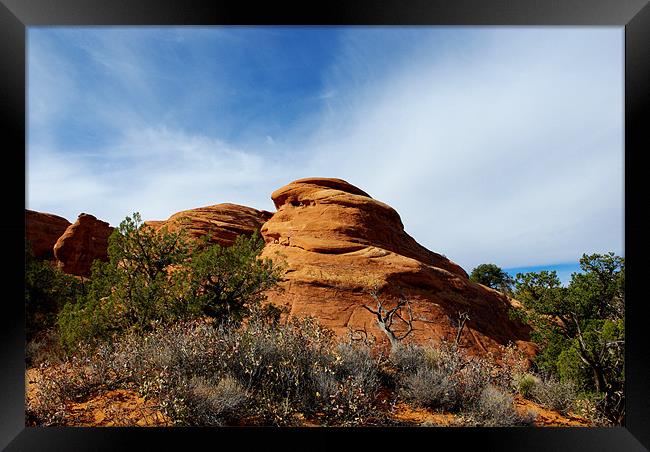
(44, 347)
(70, 380)
(438, 376)
(554, 394)
(201, 373)
(408, 357)
(443, 378)
(495, 408)
(217, 403)
(299, 368)
(430, 387)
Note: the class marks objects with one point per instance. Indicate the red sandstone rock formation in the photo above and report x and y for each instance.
(82, 243)
(42, 230)
(339, 244)
(223, 221)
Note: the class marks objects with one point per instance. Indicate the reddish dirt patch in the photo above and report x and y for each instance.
(117, 408)
(423, 417)
(549, 418)
(545, 417)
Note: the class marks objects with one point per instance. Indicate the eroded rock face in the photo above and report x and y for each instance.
(82, 243)
(224, 222)
(42, 230)
(339, 244)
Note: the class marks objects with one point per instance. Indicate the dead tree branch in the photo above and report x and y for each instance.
(385, 318)
(462, 318)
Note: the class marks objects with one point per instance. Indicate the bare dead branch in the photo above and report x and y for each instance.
(408, 322)
(463, 317)
(385, 317)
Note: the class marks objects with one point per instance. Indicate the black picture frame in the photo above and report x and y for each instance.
(16, 15)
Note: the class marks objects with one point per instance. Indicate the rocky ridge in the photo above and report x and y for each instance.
(340, 244)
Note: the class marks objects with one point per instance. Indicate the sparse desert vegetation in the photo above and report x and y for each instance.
(177, 330)
(196, 373)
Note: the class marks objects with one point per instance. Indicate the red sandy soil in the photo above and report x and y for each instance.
(549, 418)
(116, 408)
(545, 417)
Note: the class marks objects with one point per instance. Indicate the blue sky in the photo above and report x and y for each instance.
(563, 271)
(500, 145)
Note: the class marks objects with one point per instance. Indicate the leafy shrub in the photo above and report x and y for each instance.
(569, 367)
(230, 281)
(47, 289)
(526, 385)
(134, 290)
(157, 277)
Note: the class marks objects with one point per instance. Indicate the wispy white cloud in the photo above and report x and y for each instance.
(513, 155)
(155, 171)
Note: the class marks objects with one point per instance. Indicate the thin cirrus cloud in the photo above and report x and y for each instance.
(494, 144)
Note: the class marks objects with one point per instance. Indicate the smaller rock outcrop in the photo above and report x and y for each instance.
(223, 222)
(42, 230)
(81, 244)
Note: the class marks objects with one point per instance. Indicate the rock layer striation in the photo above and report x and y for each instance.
(223, 222)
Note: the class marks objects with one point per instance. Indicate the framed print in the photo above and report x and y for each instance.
(271, 223)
